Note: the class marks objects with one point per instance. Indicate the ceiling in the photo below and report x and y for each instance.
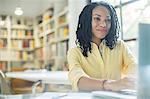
(31, 8)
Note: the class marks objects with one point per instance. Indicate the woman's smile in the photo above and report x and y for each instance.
(103, 30)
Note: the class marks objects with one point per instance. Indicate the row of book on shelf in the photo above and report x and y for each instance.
(6, 55)
(21, 44)
(63, 32)
(3, 43)
(22, 33)
(3, 65)
(3, 33)
(18, 44)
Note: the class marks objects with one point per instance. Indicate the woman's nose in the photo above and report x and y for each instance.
(102, 24)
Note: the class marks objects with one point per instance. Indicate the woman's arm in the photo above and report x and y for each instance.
(117, 85)
(91, 84)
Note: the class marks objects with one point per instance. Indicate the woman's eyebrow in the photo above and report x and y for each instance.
(100, 15)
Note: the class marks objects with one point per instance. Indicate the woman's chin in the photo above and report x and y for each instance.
(101, 37)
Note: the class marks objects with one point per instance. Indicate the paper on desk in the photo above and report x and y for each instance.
(56, 95)
(112, 95)
(47, 95)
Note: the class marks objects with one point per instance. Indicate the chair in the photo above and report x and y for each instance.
(4, 85)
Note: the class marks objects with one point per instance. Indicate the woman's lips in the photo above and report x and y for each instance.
(102, 30)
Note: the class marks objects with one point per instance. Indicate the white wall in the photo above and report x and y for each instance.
(75, 7)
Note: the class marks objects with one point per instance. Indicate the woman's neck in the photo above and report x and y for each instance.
(97, 42)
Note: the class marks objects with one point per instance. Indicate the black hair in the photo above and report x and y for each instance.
(84, 28)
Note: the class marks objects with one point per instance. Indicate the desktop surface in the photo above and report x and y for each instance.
(70, 95)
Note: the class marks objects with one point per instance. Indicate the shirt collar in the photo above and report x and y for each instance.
(100, 45)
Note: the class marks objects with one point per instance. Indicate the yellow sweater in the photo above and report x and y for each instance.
(113, 64)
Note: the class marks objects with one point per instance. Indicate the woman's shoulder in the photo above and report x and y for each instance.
(74, 50)
(120, 43)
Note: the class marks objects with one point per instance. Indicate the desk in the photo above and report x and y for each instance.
(59, 95)
(47, 77)
(61, 77)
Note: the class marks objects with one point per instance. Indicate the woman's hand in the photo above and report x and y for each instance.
(117, 85)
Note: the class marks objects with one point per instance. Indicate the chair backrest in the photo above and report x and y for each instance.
(4, 87)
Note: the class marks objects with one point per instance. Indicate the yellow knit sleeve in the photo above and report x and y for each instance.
(129, 66)
(75, 69)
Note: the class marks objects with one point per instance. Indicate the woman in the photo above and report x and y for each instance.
(100, 61)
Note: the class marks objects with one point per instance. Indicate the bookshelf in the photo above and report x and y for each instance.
(3, 43)
(62, 37)
(41, 41)
(16, 42)
(22, 39)
(44, 33)
(52, 36)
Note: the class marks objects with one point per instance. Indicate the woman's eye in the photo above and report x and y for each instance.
(108, 20)
(97, 19)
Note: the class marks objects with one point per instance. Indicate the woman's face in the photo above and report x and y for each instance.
(101, 22)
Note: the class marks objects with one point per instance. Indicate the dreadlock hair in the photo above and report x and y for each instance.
(84, 28)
